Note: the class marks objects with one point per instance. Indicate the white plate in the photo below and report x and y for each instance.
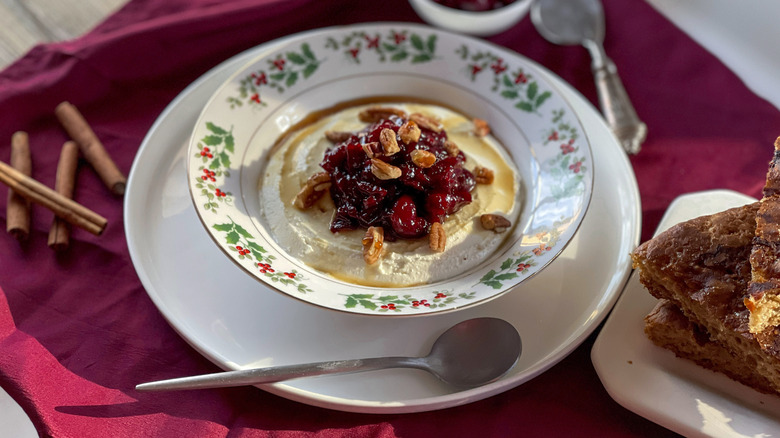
(237, 322)
(237, 132)
(670, 391)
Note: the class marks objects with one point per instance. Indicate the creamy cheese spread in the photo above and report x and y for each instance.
(305, 234)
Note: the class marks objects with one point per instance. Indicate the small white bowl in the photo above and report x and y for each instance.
(483, 23)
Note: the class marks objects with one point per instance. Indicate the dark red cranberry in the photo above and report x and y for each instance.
(405, 221)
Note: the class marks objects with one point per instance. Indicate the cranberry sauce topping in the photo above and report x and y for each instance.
(475, 5)
(405, 206)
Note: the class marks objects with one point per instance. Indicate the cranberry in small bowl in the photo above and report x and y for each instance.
(473, 17)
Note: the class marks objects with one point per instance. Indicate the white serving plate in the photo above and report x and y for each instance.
(663, 388)
(237, 322)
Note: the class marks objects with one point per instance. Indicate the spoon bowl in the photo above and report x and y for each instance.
(469, 354)
(581, 22)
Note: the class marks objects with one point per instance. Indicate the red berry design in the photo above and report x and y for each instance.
(567, 148)
(373, 43)
(265, 268)
(208, 175)
(260, 79)
(498, 67)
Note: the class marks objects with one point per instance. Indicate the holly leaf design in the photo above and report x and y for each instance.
(223, 227)
(368, 304)
(215, 129)
(306, 49)
(232, 238)
(487, 277)
(212, 140)
(296, 58)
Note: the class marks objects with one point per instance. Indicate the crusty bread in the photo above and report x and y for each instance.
(763, 300)
(668, 327)
(702, 267)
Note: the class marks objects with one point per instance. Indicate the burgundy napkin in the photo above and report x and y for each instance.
(77, 330)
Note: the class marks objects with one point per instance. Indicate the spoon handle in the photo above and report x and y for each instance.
(256, 376)
(617, 107)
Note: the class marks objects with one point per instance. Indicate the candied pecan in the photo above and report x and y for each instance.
(382, 170)
(451, 148)
(426, 122)
(372, 244)
(483, 175)
(437, 238)
(409, 132)
(377, 113)
(422, 158)
(369, 148)
(481, 128)
(494, 222)
(388, 141)
(312, 191)
(338, 136)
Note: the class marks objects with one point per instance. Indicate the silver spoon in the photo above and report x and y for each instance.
(581, 22)
(469, 354)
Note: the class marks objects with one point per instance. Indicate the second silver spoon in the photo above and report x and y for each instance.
(581, 22)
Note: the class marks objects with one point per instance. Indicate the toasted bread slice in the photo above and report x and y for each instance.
(763, 300)
(668, 327)
(702, 266)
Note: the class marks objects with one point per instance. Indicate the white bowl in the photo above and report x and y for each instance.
(484, 23)
(537, 125)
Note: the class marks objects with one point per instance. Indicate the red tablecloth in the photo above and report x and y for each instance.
(77, 330)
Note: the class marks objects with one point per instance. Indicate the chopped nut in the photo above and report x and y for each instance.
(426, 122)
(422, 158)
(382, 170)
(369, 148)
(338, 136)
(481, 128)
(437, 238)
(495, 222)
(377, 113)
(389, 143)
(372, 244)
(314, 189)
(483, 175)
(451, 148)
(409, 132)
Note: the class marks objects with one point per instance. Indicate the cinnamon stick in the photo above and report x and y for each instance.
(67, 209)
(93, 150)
(18, 208)
(59, 233)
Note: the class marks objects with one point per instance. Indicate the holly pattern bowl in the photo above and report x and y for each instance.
(315, 70)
